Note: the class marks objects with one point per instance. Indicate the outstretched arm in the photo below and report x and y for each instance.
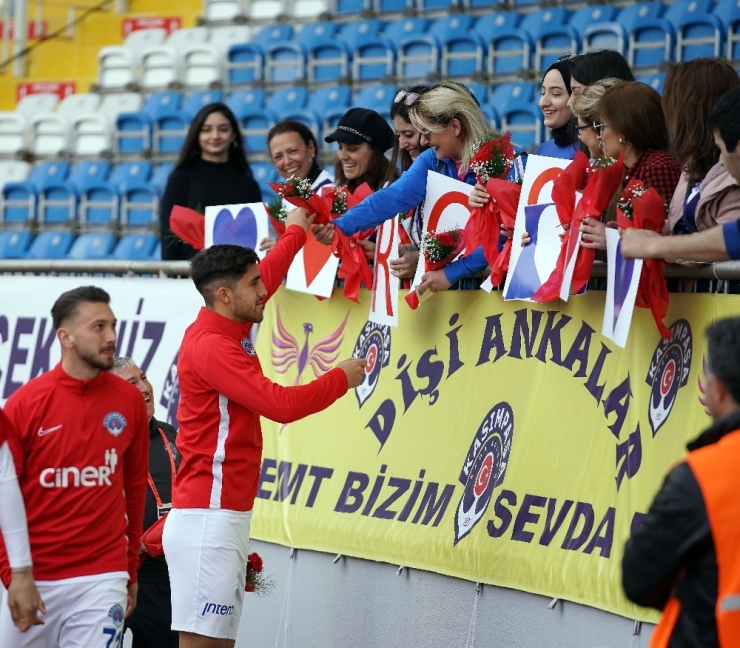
(275, 265)
(716, 244)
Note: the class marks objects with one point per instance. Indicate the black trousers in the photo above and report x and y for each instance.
(151, 619)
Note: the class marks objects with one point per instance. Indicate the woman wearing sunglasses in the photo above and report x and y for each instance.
(450, 122)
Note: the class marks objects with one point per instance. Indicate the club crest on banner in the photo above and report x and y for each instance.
(373, 344)
(114, 422)
(669, 371)
(170, 394)
(484, 467)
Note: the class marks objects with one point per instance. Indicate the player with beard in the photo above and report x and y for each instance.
(223, 393)
(80, 444)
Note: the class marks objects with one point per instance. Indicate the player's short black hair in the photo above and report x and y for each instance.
(220, 265)
(723, 354)
(725, 118)
(65, 306)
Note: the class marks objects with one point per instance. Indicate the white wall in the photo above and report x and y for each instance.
(364, 604)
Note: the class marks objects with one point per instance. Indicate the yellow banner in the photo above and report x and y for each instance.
(501, 442)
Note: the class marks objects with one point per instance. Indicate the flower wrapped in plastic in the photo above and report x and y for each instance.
(601, 183)
(298, 191)
(441, 248)
(188, 225)
(277, 213)
(491, 163)
(642, 207)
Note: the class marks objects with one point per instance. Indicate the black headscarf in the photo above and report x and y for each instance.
(563, 135)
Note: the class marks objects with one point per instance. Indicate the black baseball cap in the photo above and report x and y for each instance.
(360, 125)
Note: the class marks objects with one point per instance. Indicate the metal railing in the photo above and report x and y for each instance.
(724, 271)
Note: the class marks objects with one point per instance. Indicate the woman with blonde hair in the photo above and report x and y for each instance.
(585, 107)
(451, 123)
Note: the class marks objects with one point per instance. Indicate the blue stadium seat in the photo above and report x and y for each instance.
(93, 246)
(327, 57)
(287, 99)
(272, 34)
(524, 122)
(420, 54)
(699, 33)
(427, 6)
(550, 36)
(377, 97)
(139, 202)
(196, 100)
(133, 131)
(508, 49)
(136, 247)
(14, 244)
(265, 173)
(159, 179)
(392, 6)
(491, 115)
(728, 11)
(57, 205)
(373, 58)
(480, 90)
(358, 30)
(245, 100)
(156, 254)
(655, 81)
(255, 125)
(591, 14)
(285, 62)
(168, 133)
(18, 200)
(397, 30)
(352, 7)
(51, 245)
(508, 96)
(100, 200)
(244, 64)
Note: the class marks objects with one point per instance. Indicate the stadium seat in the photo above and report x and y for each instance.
(438, 6)
(326, 100)
(13, 171)
(480, 92)
(373, 57)
(90, 136)
(376, 97)
(265, 173)
(699, 33)
(140, 39)
(139, 205)
(50, 245)
(308, 10)
(242, 100)
(591, 14)
(222, 11)
(159, 68)
(359, 30)
(265, 11)
(492, 116)
(419, 55)
(133, 131)
(13, 129)
(244, 64)
(509, 96)
(121, 102)
(35, 104)
(655, 81)
(392, 6)
(201, 66)
(327, 57)
(156, 254)
(57, 201)
(18, 199)
(160, 176)
(225, 36)
(507, 52)
(287, 99)
(255, 125)
(116, 68)
(728, 11)
(14, 244)
(48, 135)
(77, 104)
(524, 122)
(550, 36)
(272, 34)
(93, 246)
(352, 7)
(186, 37)
(135, 247)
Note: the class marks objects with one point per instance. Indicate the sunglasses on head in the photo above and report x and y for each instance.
(407, 97)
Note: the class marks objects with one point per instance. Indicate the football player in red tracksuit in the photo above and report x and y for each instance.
(23, 597)
(81, 452)
(223, 393)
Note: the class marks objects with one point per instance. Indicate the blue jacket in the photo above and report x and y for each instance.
(550, 149)
(407, 192)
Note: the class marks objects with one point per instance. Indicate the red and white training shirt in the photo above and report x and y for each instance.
(223, 393)
(81, 451)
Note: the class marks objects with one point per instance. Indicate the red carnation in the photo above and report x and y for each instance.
(254, 562)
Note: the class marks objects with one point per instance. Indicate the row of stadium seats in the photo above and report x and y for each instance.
(91, 196)
(500, 45)
(22, 244)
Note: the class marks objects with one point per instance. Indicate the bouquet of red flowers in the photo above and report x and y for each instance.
(440, 248)
(277, 212)
(297, 191)
(493, 158)
(642, 207)
(257, 581)
(601, 182)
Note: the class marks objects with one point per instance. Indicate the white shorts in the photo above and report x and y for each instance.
(84, 612)
(206, 553)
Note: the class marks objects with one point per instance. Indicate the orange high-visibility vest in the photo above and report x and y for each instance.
(717, 471)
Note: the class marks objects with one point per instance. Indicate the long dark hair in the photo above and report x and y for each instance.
(402, 110)
(593, 66)
(190, 150)
(379, 172)
(691, 137)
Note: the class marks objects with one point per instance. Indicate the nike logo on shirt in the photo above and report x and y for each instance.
(43, 432)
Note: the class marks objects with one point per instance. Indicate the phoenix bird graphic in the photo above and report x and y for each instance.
(286, 351)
